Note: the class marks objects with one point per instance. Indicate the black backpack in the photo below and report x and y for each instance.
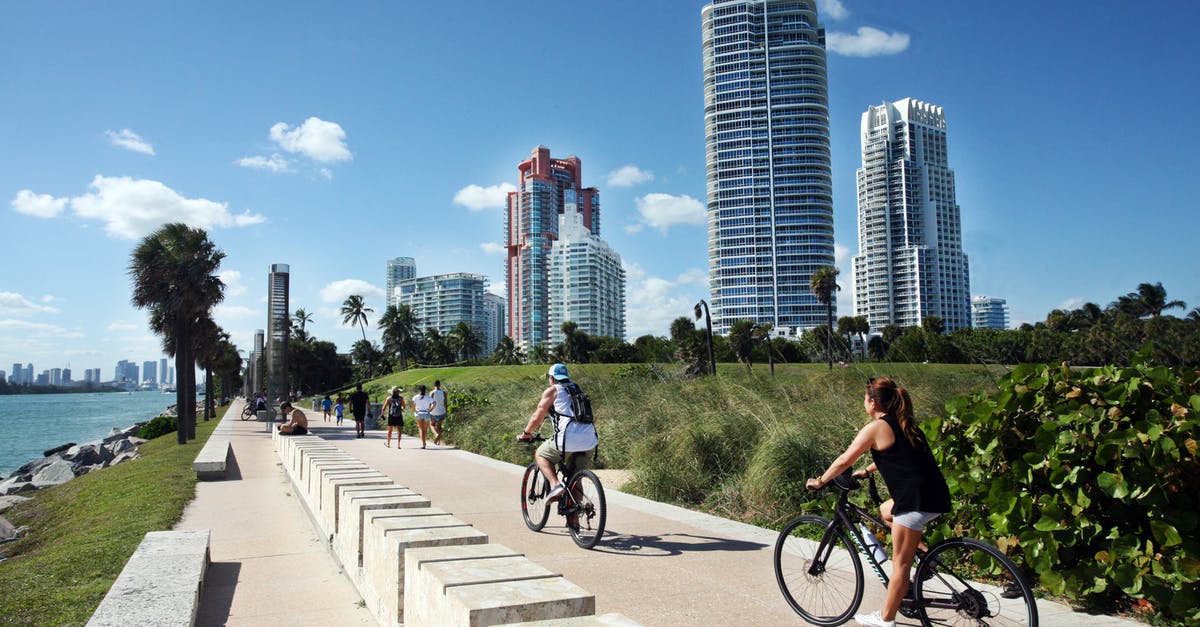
(395, 410)
(581, 405)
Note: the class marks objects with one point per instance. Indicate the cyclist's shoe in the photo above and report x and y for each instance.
(874, 619)
(1012, 591)
(556, 492)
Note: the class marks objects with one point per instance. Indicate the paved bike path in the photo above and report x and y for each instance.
(657, 564)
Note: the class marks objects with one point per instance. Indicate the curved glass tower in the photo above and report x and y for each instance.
(766, 129)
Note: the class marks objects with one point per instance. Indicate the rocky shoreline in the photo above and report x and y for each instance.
(63, 463)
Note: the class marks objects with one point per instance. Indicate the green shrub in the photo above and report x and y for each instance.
(1089, 478)
(160, 425)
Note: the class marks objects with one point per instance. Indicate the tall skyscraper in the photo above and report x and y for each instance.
(162, 372)
(150, 372)
(910, 263)
(766, 131)
(399, 269)
(495, 307)
(547, 188)
(278, 326)
(587, 282)
(989, 313)
(444, 300)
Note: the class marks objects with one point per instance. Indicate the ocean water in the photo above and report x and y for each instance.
(32, 423)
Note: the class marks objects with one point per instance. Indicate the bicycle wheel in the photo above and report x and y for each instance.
(822, 582)
(534, 508)
(963, 581)
(247, 412)
(586, 509)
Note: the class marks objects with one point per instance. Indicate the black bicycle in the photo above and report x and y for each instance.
(959, 581)
(582, 504)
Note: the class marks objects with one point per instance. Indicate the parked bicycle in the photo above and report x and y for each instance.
(582, 504)
(959, 581)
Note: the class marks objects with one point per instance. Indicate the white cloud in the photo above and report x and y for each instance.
(492, 248)
(38, 329)
(633, 228)
(498, 288)
(867, 42)
(628, 176)
(832, 9)
(338, 291)
(652, 303)
(14, 304)
(233, 282)
(236, 312)
(841, 255)
(132, 208)
(1071, 304)
(662, 211)
(129, 140)
(38, 205)
(478, 198)
(276, 163)
(315, 138)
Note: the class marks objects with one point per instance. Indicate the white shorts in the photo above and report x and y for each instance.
(914, 520)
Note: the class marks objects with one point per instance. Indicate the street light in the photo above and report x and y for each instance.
(712, 365)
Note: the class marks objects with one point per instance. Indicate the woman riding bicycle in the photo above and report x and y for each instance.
(570, 436)
(901, 453)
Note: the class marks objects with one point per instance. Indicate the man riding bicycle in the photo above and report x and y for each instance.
(570, 436)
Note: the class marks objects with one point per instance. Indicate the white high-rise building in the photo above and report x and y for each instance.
(398, 269)
(766, 131)
(989, 313)
(910, 263)
(497, 314)
(442, 301)
(587, 282)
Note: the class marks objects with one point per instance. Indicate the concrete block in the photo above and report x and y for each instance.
(385, 542)
(161, 582)
(297, 457)
(600, 620)
(335, 483)
(495, 591)
(312, 476)
(213, 459)
(300, 474)
(354, 503)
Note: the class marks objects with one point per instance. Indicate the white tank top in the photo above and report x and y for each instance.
(571, 436)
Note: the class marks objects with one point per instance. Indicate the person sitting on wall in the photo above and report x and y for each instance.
(295, 422)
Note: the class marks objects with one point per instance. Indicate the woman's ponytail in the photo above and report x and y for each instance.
(897, 403)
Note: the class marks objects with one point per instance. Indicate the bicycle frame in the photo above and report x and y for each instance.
(845, 515)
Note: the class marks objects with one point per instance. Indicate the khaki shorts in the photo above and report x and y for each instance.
(549, 450)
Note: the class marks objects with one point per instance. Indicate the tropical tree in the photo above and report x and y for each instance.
(824, 286)
(762, 333)
(741, 340)
(437, 349)
(690, 346)
(301, 318)
(933, 325)
(1148, 300)
(174, 274)
(465, 341)
(365, 355)
(208, 336)
(540, 354)
(862, 327)
(354, 311)
(400, 332)
(507, 352)
(570, 345)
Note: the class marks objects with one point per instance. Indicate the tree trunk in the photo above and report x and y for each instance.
(210, 409)
(180, 397)
(829, 336)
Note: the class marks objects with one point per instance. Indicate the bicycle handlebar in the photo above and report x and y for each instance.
(534, 438)
(847, 482)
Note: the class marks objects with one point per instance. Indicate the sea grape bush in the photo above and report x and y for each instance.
(160, 425)
(1087, 477)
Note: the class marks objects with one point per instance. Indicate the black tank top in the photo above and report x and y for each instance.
(912, 475)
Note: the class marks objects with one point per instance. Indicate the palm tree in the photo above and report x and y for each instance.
(540, 354)
(507, 352)
(208, 336)
(302, 318)
(570, 343)
(862, 327)
(437, 349)
(1154, 299)
(741, 340)
(400, 334)
(465, 341)
(174, 273)
(762, 333)
(1194, 315)
(933, 325)
(824, 286)
(847, 327)
(354, 311)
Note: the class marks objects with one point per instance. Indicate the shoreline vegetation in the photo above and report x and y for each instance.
(82, 532)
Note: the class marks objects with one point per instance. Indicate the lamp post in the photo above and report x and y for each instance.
(712, 365)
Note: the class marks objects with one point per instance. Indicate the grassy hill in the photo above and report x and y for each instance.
(738, 444)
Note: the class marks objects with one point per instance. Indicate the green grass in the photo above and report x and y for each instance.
(739, 445)
(83, 532)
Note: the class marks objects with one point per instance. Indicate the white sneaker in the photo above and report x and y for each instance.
(556, 492)
(874, 619)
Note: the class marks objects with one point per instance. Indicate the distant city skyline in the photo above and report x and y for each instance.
(333, 138)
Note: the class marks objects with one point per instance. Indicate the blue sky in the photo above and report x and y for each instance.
(334, 136)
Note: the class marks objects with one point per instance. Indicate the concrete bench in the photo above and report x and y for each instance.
(485, 584)
(387, 535)
(354, 503)
(612, 619)
(213, 460)
(160, 584)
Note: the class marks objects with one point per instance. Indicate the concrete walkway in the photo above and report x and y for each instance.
(658, 564)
